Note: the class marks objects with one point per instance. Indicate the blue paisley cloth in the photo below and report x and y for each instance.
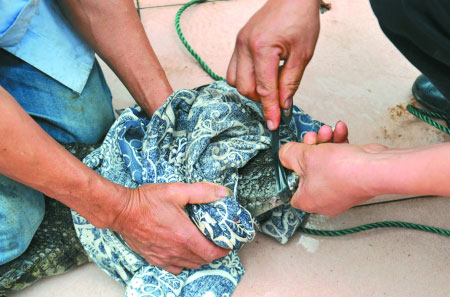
(205, 134)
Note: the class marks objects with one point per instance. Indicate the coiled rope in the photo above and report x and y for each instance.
(202, 63)
(386, 224)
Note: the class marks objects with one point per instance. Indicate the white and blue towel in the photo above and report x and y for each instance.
(205, 134)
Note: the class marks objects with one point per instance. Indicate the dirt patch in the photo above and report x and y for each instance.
(402, 129)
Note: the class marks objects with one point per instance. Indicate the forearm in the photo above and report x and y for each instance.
(414, 171)
(115, 32)
(29, 155)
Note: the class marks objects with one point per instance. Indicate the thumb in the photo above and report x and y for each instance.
(292, 156)
(204, 192)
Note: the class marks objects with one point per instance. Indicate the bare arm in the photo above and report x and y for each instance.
(335, 177)
(115, 32)
(31, 156)
(151, 218)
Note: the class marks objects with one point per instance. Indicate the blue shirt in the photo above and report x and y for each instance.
(37, 32)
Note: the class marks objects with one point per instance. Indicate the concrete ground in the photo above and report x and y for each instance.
(356, 76)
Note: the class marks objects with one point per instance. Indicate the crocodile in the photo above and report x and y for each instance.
(55, 248)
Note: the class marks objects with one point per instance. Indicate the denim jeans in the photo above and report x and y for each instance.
(65, 115)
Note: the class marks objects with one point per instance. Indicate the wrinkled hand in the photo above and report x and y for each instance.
(280, 30)
(154, 224)
(332, 175)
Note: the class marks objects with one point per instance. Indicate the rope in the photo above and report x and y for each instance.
(187, 45)
(386, 224)
(427, 116)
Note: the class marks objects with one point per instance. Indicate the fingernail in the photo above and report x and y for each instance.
(270, 125)
(223, 192)
(288, 103)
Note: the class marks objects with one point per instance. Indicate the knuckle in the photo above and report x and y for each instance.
(292, 84)
(242, 37)
(306, 55)
(246, 91)
(231, 80)
(241, 41)
(258, 44)
(266, 90)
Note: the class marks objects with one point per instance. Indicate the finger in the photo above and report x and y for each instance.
(182, 262)
(204, 248)
(291, 155)
(231, 71)
(202, 192)
(173, 263)
(173, 269)
(325, 134)
(289, 80)
(266, 75)
(340, 133)
(174, 255)
(187, 264)
(245, 75)
(310, 138)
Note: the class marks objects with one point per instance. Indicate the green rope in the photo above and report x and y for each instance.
(386, 224)
(427, 116)
(186, 44)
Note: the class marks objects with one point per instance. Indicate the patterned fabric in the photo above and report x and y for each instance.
(205, 134)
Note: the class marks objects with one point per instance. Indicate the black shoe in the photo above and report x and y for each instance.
(430, 97)
(438, 107)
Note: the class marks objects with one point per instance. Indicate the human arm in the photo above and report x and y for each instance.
(151, 218)
(336, 177)
(280, 30)
(115, 32)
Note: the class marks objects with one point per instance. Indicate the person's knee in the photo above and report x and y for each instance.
(21, 212)
(14, 240)
(93, 114)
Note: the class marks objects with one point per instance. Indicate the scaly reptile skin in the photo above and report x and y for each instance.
(55, 248)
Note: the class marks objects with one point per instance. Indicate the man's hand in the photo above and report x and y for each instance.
(280, 30)
(332, 175)
(153, 222)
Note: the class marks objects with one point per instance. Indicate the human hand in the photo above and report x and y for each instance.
(333, 176)
(280, 30)
(154, 224)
